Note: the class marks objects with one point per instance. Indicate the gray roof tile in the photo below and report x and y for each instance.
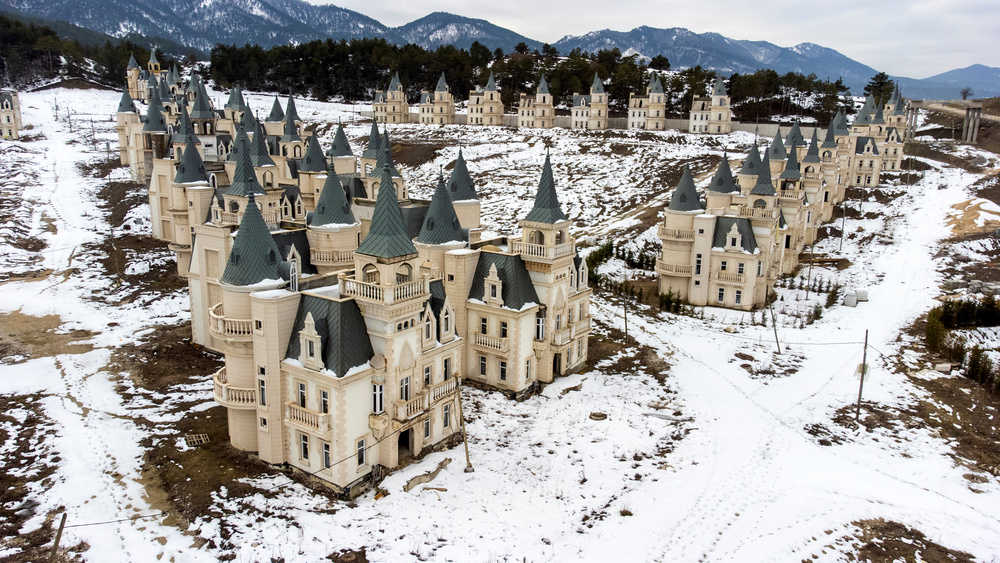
(597, 87)
(344, 341)
(722, 182)
(441, 225)
(333, 207)
(387, 236)
(743, 226)
(277, 114)
(685, 196)
(314, 160)
(460, 184)
(254, 257)
(546, 208)
(752, 164)
(341, 146)
(191, 168)
(517, 290)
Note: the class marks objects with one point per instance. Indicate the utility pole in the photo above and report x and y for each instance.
(812, 258)
(864, 369)
(55, 544)
(465, 435)
(774, 324)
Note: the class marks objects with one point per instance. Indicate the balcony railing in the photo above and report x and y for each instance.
(580, 327)
(673, 269)
(561, 336)
(443, 389)
(675, 234)
(224, 327)
(731, 277)
(306, 418)
(331, 256)
(757, 213)
(229, 218)
(491, 342)
(549, 252)
(370, 291)
(232, 397)
(405, 410)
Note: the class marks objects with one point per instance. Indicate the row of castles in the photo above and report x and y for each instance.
(348, 311)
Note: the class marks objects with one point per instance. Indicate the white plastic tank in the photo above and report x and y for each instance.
(851, 299)
(862, 294)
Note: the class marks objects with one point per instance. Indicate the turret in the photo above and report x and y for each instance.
(340, 156)
(463, 194)
(311, 168)
(441, 231)
(332, 229)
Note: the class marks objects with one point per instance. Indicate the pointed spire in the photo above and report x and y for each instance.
(131, 61)
(395, 84)
(794, 137)
(840, 121)
(460, 185)
(879, 118)
(441, 225)
(254, 257)
(723, 182)
(655, 86)
(154, 115)
(240, 143)
(152, 56)
(792, 170)
(191, 168)
(442, 85)
(752, 164)
(777, 149)
(899, 106)
(829, 142)
(164, 89)
(202, 107)
(291, 131)
(812, 153)
(126, 105)
(385, 160)
(276, 113)
(290, 113)
(764, 185)
(332, 208)
(720, 88)
(313, 161)
(685, 196)
(340, 146)
(248, 122)
(543, 86)
(864, 116)
(184, 127)
(259, 156)
(244, 182)
(491, 84)
(597, 87)
(387, 236)
(235, 101)
(546, 209)
(374, 142)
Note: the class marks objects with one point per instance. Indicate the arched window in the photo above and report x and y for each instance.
(760, 204)
(370, 273)
(268, 179)
(297, 151)
(234, 206)
(536, 237)
(404, 273)
(560, 237)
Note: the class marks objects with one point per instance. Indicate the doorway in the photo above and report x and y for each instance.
(405, 446)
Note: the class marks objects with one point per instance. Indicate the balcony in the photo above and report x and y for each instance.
(331, 257)
(757, 213)
(405, 410)
(729, 277)
(232, 397)
(674, 234)
(231, 329)
(227, 218)
(443, 389)
(561, 336)
(810, 175)
(493, 343)
(369, 291)
(306, 419)
(580, 327)
(548, 252)
(672, 269)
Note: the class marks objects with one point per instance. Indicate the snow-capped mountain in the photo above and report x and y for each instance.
(441, 28)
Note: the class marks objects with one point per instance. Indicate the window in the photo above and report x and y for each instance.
(788, 241)
(739, 268)
(257, 324)
(760, 268)
(482, 365)
(263, 422)
(447, 369)
(327, 462)
(579, 348)
(324, 402)
(262, 392)
(427, 428)
(503, 329)
(310, 348)
(558, 322)
(722, 294)
(446, 416)
(302, 395)
(493, 290)
(732, 241)
(361, 453)
(303, 446)
(427, 375)
(527, 369)
(378, 398)
(503, 371)
(723, 265)
(404, 389)
(739, 297)
(261, 370)
(427, 328)
(446, 323)
(540, 328)
(483, 325)
(697, 265)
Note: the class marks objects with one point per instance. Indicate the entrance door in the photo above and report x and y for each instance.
(557, 364)
(405, 445)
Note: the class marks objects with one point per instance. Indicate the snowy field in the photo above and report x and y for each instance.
(701, 458)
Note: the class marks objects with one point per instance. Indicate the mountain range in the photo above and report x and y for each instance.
(200, 24)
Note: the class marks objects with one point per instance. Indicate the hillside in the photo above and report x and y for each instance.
(441, 28)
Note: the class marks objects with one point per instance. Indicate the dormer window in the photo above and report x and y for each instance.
(309, 345)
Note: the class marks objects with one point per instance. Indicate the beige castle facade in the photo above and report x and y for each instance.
(537, 111)
(591, 111)
(348, 312)
(437, 107)
(712, 114)
(10, 115)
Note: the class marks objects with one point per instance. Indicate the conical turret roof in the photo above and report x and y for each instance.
(152, 56)
(131, 61)
(794, 137)
(547, 209)
(202, 107)
(291, 131)
(720, 88)
(290, 112)
(491, 84)
(276, 112)
(792, 170)
(597, 87)
(387, 235)
(442, 85)
(244, 181)
(254, 257)
(126, 105)
(154, 115)
(191, 168)
(543, 86)
(240, 143)
(753, 163)
(764, 185)
(248, 122)
(840, 123)
(374, 142)
(314, 160)
(395, 84)
(879, 118)
(864, 116)
(235, 101)
(460, 185)
(332, 208)
(441, 225)
(777, 149)
(812, 153)
(656, 87)
(259, 156)
(723, 182)
(184, 127)
(685, 196)
(340, 146)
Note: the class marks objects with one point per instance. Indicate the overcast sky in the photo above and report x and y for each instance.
(916, 38)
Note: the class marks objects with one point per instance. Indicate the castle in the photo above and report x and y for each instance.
(347, 311)
(10, 115)
(728, 249)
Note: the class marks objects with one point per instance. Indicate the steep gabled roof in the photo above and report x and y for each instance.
(546, 209)
(291, 114)
(517, 290)
(685, 196)
(332, 208)
(259, 156)
(340, 146)
(374, 142)
(720, 88)
(543, 86)
(777, 149)
(276, 113)
(723, 182)
(344, 342)
(254, 257)
(812, 153)
(859, 148)
(460, 185)
(441, 224)
(794, 137)
(752, 164)
(395, 84)
(792, 170)
(491, 84)
(244, 182)
(442, 85)
(313, 161)
(191, 169)
(597, 87)
(126, 105)
(764, 185)
(743, 226)
(387, 236)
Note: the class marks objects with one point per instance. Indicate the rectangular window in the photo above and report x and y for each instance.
(493, 290)
(427, 329)
(760, 268)
(262, 392)
(327, 460)
(722, 294)
(427, 375)
(503, 329)
(788, 241)
(404, 389)
(263, 422)
(427, 428)
(527, 369)
(257, 324)
(310, 349)
(302, 395)
(361, 453)
(722, 266)
(579, 348)
(540, 328)
(732, 241)
(447, 369)
(324, 402)
(482, 365)
(446, 416)
(261, 370)
(697, 265)
(483, 325)
(503, 371)
(739, 268)
(558, 322)
(378, 398)
(303, 446)
(739, 297)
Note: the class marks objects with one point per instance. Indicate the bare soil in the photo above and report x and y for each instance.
(23, 337)
(885, 541)
(416, 154)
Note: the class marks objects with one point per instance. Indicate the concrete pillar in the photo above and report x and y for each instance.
(965, 124)
(975, 129)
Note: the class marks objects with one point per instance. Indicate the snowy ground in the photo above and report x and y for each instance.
(699, 459)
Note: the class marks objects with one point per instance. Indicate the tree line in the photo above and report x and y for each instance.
(965, 314)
